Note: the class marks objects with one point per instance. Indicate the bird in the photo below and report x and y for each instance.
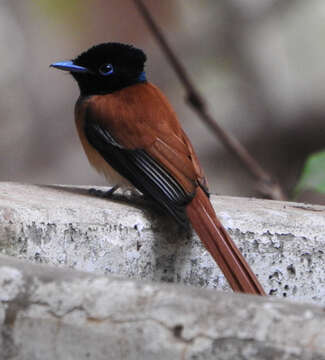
(131, 134)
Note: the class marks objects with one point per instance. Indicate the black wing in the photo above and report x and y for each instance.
(144, 172)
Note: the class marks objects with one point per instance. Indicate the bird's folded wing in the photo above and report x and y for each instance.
(147, 147)
(142, 170)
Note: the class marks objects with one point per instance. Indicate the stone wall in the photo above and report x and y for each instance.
(56, 310)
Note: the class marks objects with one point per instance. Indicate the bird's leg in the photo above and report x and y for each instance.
(103, 194)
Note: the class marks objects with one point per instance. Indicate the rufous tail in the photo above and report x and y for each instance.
(220, 245)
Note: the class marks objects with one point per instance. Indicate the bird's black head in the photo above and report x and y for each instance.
(106, 68)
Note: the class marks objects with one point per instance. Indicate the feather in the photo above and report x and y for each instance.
(222, 248)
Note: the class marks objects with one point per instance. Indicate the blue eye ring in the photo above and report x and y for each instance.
(106, 69)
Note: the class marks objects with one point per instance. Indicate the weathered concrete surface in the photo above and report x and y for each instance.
(284, 242)
(51, 313)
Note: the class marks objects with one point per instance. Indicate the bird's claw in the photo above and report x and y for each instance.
(103, 194)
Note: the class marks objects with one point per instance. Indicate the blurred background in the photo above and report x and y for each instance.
(260, 65)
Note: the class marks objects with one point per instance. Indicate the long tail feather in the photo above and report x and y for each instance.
(220, 245)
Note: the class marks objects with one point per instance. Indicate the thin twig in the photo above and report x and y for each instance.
(266, 183)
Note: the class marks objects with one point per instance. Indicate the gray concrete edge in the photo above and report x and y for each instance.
(53, 313)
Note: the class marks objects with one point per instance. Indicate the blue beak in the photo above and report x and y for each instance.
(69, 66)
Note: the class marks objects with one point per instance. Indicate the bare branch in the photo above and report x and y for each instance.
(267, 184)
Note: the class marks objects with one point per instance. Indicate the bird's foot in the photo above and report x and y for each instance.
(103, 194)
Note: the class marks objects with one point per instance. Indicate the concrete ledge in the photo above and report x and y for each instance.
(51, 313)
(64, 226)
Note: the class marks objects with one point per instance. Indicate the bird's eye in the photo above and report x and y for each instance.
(106, 69)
